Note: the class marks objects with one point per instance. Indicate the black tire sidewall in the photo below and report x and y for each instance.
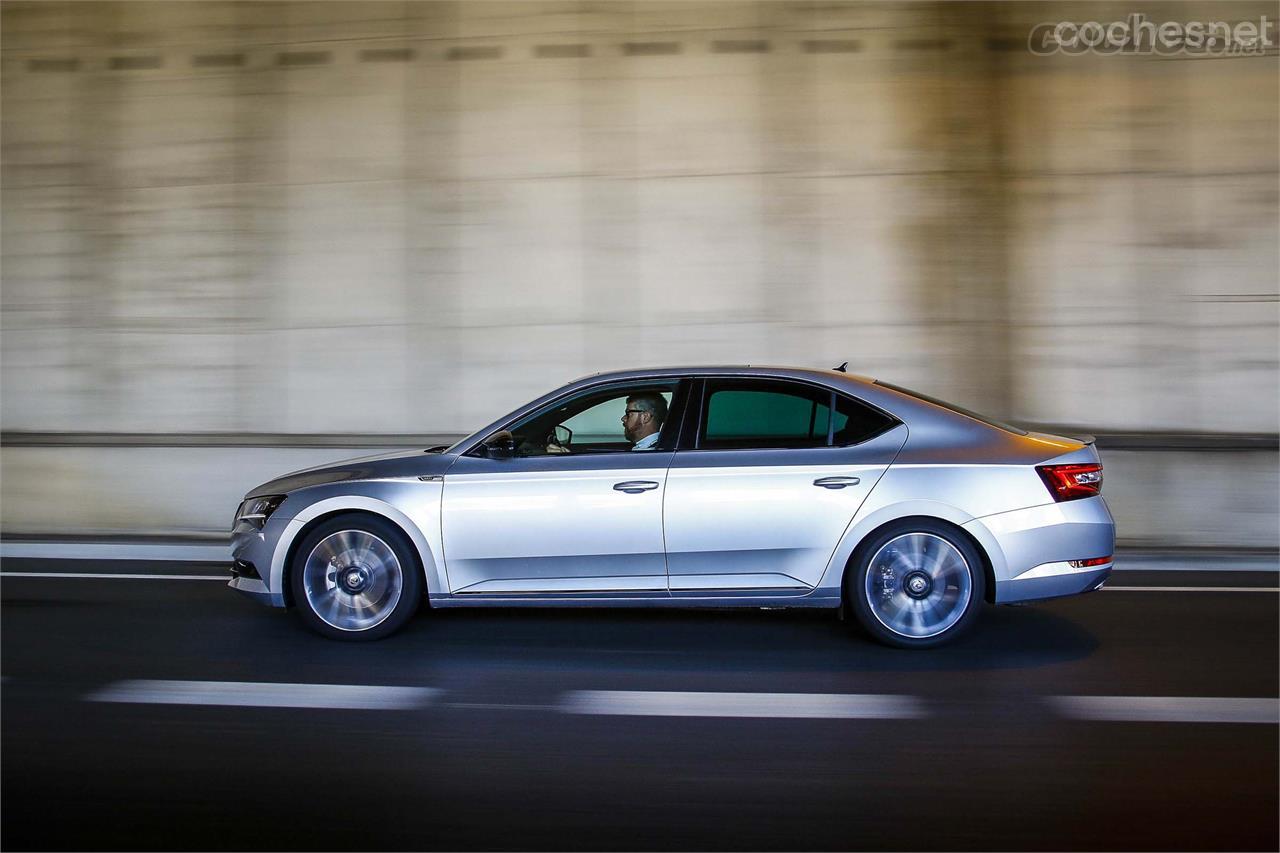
(856, 578)
(410, 569)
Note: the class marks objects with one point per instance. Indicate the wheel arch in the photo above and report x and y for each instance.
(861, 531)
(989, 591)
(321, 511)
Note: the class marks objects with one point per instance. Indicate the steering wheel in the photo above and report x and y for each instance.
(560, 439)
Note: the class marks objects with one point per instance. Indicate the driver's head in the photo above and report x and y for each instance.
(644, 415)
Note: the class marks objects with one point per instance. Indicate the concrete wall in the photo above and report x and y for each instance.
(378, 218)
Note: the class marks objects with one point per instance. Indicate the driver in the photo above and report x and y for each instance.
(642, 421)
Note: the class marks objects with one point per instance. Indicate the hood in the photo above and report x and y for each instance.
(401, 463)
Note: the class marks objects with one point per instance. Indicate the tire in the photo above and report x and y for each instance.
(355, 578)
(916, 584)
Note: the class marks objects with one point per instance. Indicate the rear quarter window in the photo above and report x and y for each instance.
(857, 422)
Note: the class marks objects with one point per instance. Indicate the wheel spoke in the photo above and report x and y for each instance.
(332, 605)
(934, 611)
(915, 551)
(899, 562)
(326, 551)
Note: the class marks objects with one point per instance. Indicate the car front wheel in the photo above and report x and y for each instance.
(354, 578)
(916, 585)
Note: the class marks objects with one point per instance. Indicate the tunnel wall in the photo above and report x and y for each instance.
(387, 218)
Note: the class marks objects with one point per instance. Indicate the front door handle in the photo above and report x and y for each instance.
(635, 487)
(836, 482)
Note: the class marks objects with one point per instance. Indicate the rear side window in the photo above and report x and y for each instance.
(743, 414)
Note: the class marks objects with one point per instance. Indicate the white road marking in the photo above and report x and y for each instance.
(671, 703)
(659, 703)
(1271, 589)
(110, 576)
(216, 552)
(266, 695)
(1167, 709)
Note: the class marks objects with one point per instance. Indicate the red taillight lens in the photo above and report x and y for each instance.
(1068, 482)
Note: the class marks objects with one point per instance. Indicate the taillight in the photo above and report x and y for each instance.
(1068, 482)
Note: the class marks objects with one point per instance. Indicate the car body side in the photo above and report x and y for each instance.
(937, 464)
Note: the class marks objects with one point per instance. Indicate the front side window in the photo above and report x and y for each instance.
(634, 417)
(740, 414)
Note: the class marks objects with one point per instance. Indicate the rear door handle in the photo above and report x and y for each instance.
(836, 482)
(635, 487)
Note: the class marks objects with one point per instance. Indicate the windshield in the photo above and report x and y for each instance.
(951, 407)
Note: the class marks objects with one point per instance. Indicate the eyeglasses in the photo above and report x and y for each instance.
(632, 412)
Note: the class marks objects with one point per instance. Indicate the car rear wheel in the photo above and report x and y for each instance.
(354, 578)
(916, 585)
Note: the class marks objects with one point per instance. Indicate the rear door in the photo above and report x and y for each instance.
(776, 471)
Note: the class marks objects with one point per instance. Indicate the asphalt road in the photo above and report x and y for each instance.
(610, 729)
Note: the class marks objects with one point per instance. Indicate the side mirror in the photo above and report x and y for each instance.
(500, 445)
(562, 435)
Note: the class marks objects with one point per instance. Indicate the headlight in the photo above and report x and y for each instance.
(256, 511)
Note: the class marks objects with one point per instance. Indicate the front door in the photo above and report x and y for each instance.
(762, 498)
(576, 509)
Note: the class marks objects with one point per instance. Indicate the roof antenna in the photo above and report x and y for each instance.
(841, 368)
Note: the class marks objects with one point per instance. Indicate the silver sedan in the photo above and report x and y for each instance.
(692, 487)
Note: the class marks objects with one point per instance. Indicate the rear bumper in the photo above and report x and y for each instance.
(1038, 543)
(1051, 580)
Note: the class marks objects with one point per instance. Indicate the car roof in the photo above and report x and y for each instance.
(864, 387)
(725, 370)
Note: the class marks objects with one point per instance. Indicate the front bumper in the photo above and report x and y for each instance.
(257, 590)
(251, 553)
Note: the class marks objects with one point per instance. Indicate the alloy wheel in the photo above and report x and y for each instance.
(918, 585)
(352, 580)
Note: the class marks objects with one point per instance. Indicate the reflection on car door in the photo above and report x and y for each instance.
(555, 523)
(581, 518)
(746, 512)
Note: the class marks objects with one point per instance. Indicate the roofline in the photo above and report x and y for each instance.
(722, 370)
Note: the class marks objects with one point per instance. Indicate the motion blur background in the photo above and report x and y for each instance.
(241, 238)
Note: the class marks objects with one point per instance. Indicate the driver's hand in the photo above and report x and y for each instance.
(552, 447)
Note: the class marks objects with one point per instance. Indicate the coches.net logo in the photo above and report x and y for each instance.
(1137, 35)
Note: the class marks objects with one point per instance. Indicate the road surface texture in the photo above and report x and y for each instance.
(156, 712)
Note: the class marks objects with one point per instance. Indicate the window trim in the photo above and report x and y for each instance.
(700, 395)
